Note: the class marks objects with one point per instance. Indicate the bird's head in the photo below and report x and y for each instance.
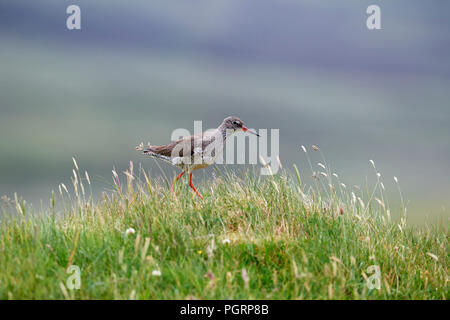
(235, 124)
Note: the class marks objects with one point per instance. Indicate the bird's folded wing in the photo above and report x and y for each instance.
(185, 147)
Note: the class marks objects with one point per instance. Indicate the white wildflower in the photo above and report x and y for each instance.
(156, 273)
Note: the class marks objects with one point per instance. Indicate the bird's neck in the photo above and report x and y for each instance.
(225, 132)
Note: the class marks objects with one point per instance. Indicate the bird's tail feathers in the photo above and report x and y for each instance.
(141, 147)
(149, 151)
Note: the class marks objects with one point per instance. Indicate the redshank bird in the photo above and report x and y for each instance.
(197, 151)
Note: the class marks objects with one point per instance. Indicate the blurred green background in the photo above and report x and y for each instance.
(139, 69)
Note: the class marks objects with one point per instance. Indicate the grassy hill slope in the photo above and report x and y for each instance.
(252, 237)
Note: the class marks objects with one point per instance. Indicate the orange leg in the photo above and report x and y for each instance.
(192, 186)
(176, 179)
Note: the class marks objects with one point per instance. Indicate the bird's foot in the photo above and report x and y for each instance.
(197, 193)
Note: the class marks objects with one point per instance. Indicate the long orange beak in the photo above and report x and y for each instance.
(245, 129)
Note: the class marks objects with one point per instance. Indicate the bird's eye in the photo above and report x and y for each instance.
(235, 122)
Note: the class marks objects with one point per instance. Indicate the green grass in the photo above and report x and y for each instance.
(252, 237)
